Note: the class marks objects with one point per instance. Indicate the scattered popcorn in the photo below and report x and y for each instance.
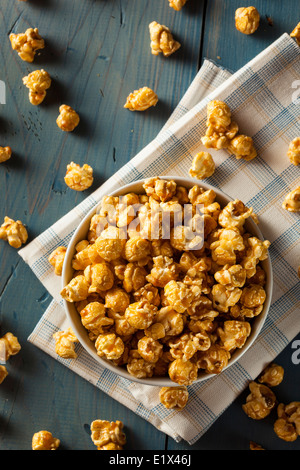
(162, 40)
(38, 82)
(68, 119)
(247, 20)
(141, 99)
(56, 259)
(108, 435)
(79, 177)
(13, 232)
(287, 425)
(203, 166)
(254, 446)
(242, 146)
(64, 344)
(26, 44)
(43, 440)
(174, 397)
(272, 375)
(294, 147)
(5, 154)
(296, 33)
(177, 4)
(292, 201)
(259, 402)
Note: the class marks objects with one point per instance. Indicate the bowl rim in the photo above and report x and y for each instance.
(81, 332)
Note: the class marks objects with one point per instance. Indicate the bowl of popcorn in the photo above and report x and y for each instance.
(167, 282)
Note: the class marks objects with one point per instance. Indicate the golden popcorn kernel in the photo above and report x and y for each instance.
(13, 232)
(79, 177)
(296, 33)
(272, 375)
(38, 82)
(138, 367)
(140, 315)
(247, 20)
(174, 397)
(109, 345)
(294, 150)
(76, 290)
(26, 44)
(177, 4)
(56, 259)
(141, 99)
(287, 425)
(64, 344)
(242, 146)
(259, 402)
(203, 166)
(100, 277)
(162, 40)
(254, 446)
(234, 334)
(214, 360)
(3, 373)
(108, 433)
(5, 154)
(68, 119)
(291, 202)
(43, 440)
(94, 319)
(183, 372)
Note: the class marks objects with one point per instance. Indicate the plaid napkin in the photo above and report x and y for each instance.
(260, 97)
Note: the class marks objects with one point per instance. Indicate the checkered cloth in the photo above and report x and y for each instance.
(260, 97)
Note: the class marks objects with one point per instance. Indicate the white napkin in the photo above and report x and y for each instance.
(260, 97)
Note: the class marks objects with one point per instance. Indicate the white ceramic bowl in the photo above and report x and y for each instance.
(74, 317)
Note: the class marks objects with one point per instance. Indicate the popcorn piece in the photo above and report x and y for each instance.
(162, 40)
(138, 367)
(292, 201)
(68, 119)
(231, 276)
(26, 44)
(223, 250)
(134, 277)
(174, 397)
(171, 321)
(117, 299)
(110, 244)
(255, 446)
(100, 277)
(38, 82)
(218, 115)
(108, 434)
(79, 177)
(296, 34)
(179, 296)
(94, 319)
(3, 373)
(149, 349)
(9, 346)
(257, 250)
(272, 375)
(64, 344)
(214, 360)
(177, 4)
(76, 290)
(242, 146)
(141, 99)
(183, 372)
(43, 440)
(137, 250)
(294, 147)
(159, 189)
(149, 293)
(5, 154)
(234, 334)
(234, 214)
(224, 298)
(110, 346)
(185, 346)
(247, 20)
(140, 315)
(287, 426)
(259, 402)
(13, 232)
(203, 166)
(56, 259)
(219, 139)
(253, 296)
(164, 270)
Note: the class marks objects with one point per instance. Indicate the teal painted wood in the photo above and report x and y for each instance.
(97, 52)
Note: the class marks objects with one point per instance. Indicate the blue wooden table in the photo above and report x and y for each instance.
(97, 52)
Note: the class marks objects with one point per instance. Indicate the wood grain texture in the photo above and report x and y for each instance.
(97, 52)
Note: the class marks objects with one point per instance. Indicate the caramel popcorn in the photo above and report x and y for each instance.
(3, 373)
(64, 344)
(287, 426)
(26, 44)
(162, 40)
(38, 82)
(242, 146)
(177, 4)
(174, 397)
(294, 147)
(79, 177)
(254, 446)
(9, 346)
(259, 402)
(5, 154)
(272, 375)
(247, 20)
(56, 259)
(68, 119)
(43, 440)
(296, 34)
(13, 232)
(292, 201)
(108, 433)
(161, 306)
(141, 99)
(203, 166)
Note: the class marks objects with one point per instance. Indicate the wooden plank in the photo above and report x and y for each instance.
(96, 53)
